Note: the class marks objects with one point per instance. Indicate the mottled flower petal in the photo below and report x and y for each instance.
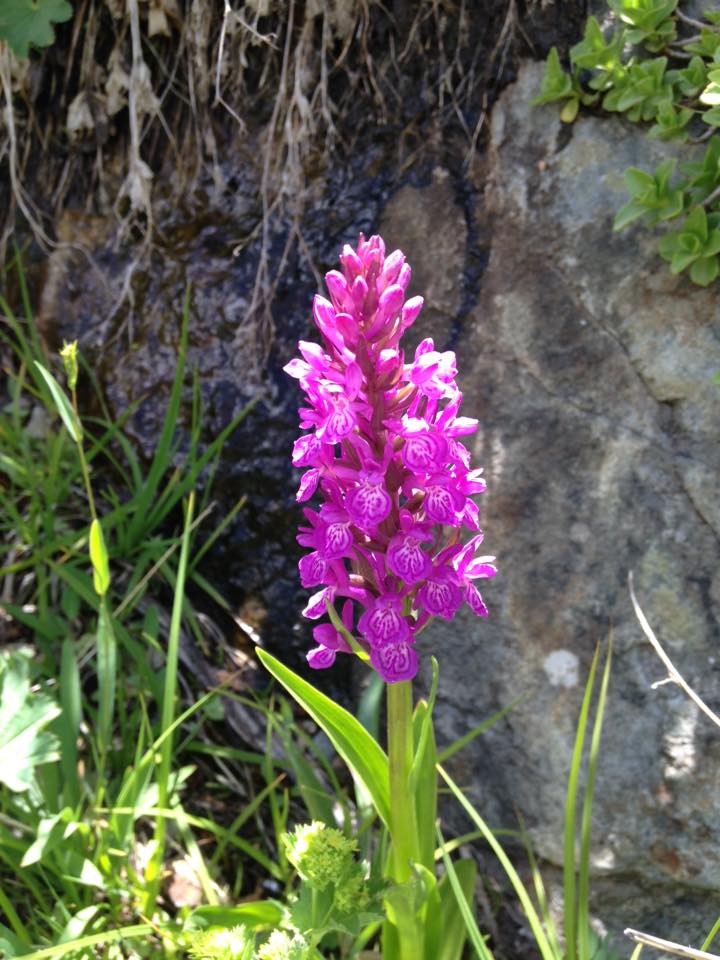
(339, 422)
(308, 485)
(475, 601)
(306, 450)
(313, 569)
(407, 559)
(338, 541)
(327, 636)
(383, 622)
(395, 661)
(440, 505)
(316, 604)
(424, 452)
(440, 594)
(369, 503)
(321, 657)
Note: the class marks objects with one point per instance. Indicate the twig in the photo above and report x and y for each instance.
(711, 198)
(703, 136)
(227, 12)
(648, 940)
(672, 677)
(691, 21)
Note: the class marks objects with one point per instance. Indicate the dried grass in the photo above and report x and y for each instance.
(133, 88)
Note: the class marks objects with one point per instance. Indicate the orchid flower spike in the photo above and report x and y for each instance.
(383, 451)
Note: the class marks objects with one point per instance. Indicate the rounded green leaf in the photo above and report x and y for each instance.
(704, 271)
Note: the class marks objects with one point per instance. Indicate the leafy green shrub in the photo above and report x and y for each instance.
(644, 69)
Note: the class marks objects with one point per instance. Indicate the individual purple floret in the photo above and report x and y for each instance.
(384, 452)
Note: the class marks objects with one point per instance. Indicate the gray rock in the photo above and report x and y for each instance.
(590, 368)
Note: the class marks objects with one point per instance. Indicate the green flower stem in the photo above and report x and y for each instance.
(83, 461)
(403, 819)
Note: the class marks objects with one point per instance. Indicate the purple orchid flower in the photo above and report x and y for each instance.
(383, 449)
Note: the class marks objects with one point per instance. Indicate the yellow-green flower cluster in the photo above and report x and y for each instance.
(352, 895)
(222, 944)
(282, 946)
(70, 362)
(323, 856)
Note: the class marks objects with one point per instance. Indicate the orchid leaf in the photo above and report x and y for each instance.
(366, 760)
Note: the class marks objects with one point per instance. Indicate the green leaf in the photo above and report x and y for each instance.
(696, 223)
(629, 212)
(637, 181)
(62, 404)
(556, 84)
(25, 23)
(454, 931)
(24, 744)
(711, 94)
(593, 52)
(570, 111)
(583, 887)
(464, 904)
(107, 675)
(255, 914)
(68, 724)
(367, 761)
(681, 260)
(51, 832)
(99, 559)
(693, 77)
(423, 782)
(704, 271)
(139, 931)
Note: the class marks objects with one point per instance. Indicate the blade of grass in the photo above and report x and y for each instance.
(463, 741)
(154, 867)
(107, 677)
(146, 497)
(586, 822)
(92, 940)
(570, 892)
(512, 874)
(69, 721)
(196, 857)
(711, 936)
(473, 931)
(227, 835)
(13, 919)
(179, 486)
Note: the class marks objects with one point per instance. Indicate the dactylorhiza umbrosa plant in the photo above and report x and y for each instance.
(383, 449)
(385, 452)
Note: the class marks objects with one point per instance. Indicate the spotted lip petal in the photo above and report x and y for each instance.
(395, 661)
(369, 503)
(382, 449)
(383, 621)
(440, 595)
(407, 559)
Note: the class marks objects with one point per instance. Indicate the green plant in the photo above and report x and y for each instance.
(93, 776)
(26, 23)
(678, 93)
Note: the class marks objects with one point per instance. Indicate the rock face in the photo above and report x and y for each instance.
(590, 369)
